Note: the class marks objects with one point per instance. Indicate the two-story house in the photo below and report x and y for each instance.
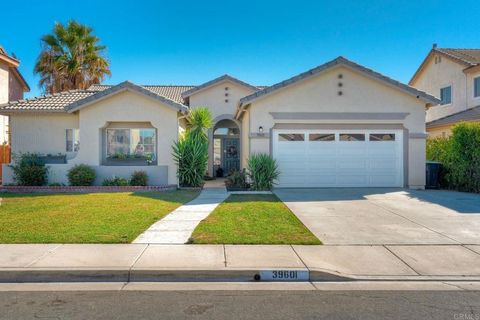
(12, 87)
(453, 75)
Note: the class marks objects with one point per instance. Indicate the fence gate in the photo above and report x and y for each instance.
(5, 157)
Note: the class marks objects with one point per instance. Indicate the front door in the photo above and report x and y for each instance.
(231, 155)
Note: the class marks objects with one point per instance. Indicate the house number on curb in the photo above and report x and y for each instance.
(282, 275)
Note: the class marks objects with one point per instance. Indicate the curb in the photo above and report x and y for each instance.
(45, 275)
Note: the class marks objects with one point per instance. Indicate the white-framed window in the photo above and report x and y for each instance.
(72, 140)
(476, 87)
(446, 95)
(131, 144)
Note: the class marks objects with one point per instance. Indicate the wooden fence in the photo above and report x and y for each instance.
(5, 156)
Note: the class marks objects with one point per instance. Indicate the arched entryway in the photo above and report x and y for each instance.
(225, 147)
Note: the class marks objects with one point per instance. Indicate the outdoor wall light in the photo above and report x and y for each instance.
(260, 129)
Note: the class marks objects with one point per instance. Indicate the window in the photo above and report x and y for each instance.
(352, 137)
(131, 144)
(72, 140)
(382, 137)
(322, 137)
(446, 95)
(291, 137)
(476, 87)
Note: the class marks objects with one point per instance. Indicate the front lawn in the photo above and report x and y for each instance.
(253, 219)
(84, 218)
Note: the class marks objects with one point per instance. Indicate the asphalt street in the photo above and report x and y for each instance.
(456, 305)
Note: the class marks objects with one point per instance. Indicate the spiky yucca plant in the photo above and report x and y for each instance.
(190, 152)
(263, 171)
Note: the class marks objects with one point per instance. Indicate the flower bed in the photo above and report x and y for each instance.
(56, 189)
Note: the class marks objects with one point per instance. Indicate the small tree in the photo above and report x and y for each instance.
(29, 170)
(190, 152)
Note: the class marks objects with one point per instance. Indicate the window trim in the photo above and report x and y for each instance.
(75, 137)
(451, 95)
(475, 79)
(107, 161)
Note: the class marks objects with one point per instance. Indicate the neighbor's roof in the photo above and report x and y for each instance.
(217, 80)
(343, 62)
(13, 63)
(59, 102)
(466, 57)
(472, 114)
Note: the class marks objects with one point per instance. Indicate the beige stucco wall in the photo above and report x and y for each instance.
(214, 98)
(360, 94)
(443, 131)
(41, 132)
(127, 107)
(15, 88)
(4, 95)
(439, 75)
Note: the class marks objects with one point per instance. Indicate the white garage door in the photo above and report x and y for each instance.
(339, 158)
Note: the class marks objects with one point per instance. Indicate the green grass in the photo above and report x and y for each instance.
(84, 218)
(253, 219)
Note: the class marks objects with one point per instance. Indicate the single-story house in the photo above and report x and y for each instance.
(336, 125)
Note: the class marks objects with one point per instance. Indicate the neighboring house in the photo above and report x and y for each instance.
(337, 125)
(12, 87)
(454, 76)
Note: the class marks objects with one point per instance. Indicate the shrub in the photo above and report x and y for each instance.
(237, 179)
(263, 171)
(463, 162)
(460, 157)
(191, 157)
(139, 178)
(81, 175)
(29, 170)
(115, 182)
(190, 152)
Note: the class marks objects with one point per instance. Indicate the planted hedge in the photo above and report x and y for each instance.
(460, 156)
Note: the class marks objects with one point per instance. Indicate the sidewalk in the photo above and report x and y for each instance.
(162, 263)
(177, 227)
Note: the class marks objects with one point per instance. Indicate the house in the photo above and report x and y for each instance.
(337, 125)
(12, 87)
(454, 76)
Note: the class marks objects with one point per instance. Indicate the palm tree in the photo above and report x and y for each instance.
(71, 58)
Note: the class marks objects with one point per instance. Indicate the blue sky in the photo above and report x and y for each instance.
(261, 42)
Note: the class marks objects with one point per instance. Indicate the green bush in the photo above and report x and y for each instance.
(460, 157)
(191, 157)
(115, 182)
(237, 179)
(81, 175)
(463, 163)
(263, 171)
(29, 170)
(190, 152)
(139, 178)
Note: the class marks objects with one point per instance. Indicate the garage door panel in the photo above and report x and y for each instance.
(348, 163)
(334, 163)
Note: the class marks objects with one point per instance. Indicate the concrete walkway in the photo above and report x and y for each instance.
(177, 227)
(142, 262)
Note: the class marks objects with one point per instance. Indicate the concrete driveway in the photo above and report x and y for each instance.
(386, 216)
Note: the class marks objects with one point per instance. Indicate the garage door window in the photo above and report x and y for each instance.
(352, 137)
(382, 137)
(291, 137)
(322, 137)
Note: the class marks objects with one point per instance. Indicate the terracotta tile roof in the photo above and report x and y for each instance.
(472, 114)
(53, 103)
(172, 92)
(470, 56)
(60, 101)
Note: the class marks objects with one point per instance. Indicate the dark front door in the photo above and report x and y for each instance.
(231, 155)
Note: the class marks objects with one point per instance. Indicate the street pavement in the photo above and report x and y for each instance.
(242, 304)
